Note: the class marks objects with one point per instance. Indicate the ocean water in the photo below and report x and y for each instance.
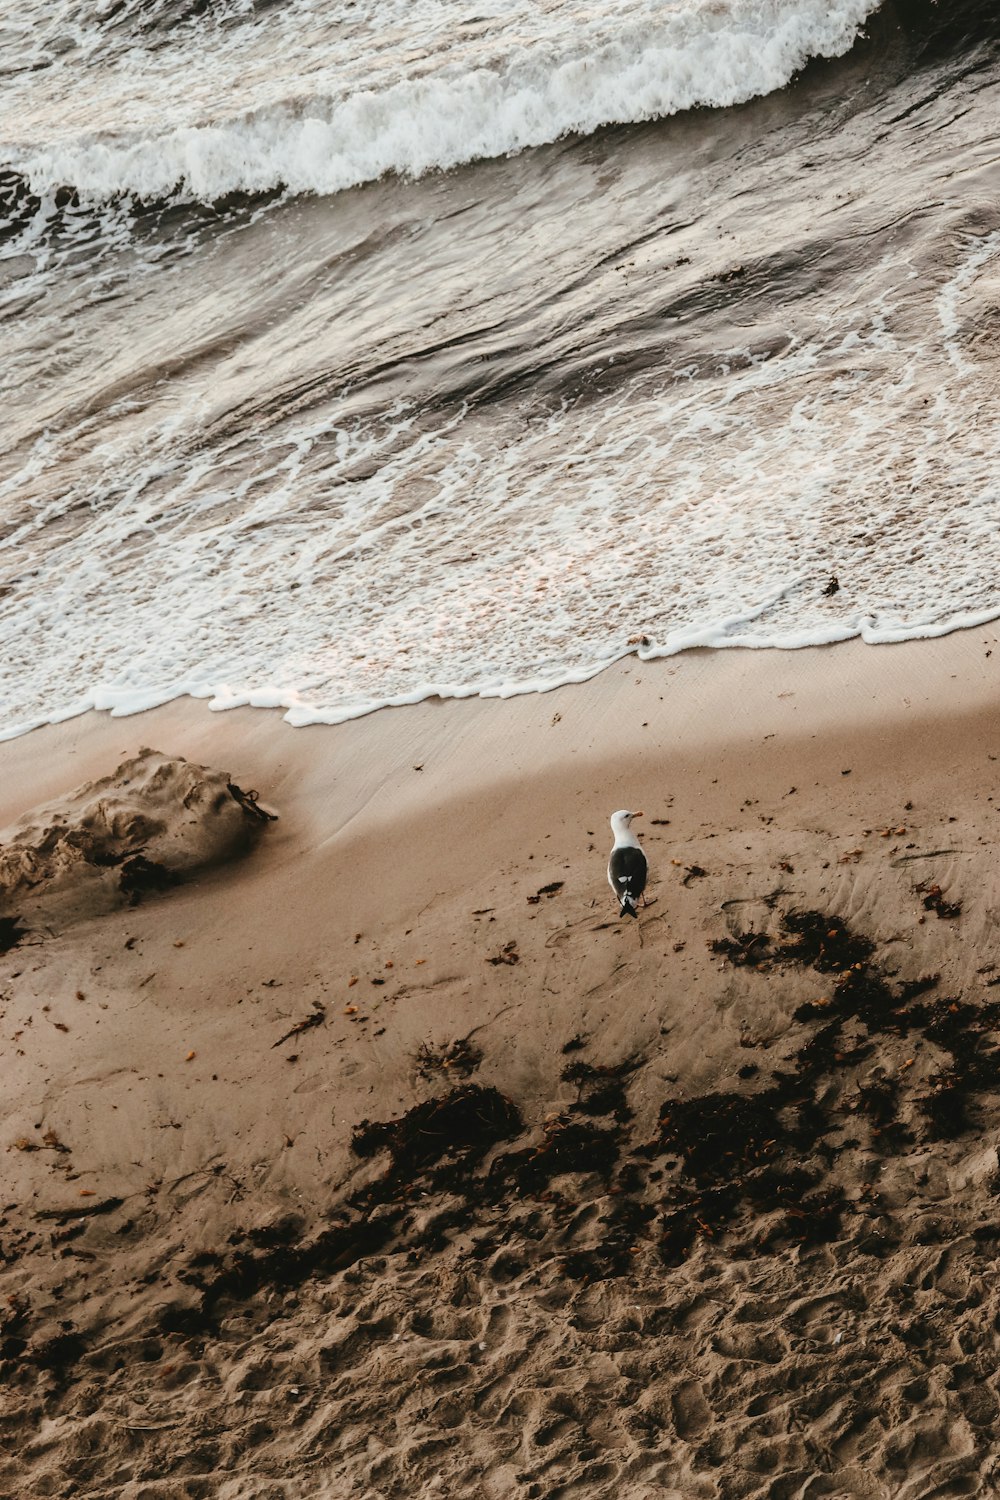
(359, 351)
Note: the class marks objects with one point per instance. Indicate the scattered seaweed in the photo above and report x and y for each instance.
(249, 802)
(812, 938)
(933, 900)
(566, 1146)
(748, 950)
(508, 954)
(822, 942)
(546, 890)
(622, 1231)
(458, 1059)
(719, 1136)
(316, 1018)
(601, 1090)
(878, 1099)
(960, 1029)
(748, 1163)
(465, 1124)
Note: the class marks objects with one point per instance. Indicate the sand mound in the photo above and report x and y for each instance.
(153, 822)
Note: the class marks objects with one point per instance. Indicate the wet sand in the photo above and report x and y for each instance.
(686, 1219)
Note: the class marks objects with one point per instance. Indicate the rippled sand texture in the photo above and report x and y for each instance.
(386, 1162)
(479, 431)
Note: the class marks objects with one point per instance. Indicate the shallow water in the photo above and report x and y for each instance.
(316, 395)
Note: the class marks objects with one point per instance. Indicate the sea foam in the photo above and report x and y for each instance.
(459, 95)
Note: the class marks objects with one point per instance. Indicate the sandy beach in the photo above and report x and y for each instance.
(378, 1157)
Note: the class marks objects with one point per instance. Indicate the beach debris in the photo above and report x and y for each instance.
(459, 1058)
(851, 857)
(546, 890)
(934, 901)
(601, 1090)
(508, 954)
(191, 1056)
(694, 872)
(567, 1146)
(249, 802)
(464, 1125)
(744, 949)
(833, 587)
(825, 943)
(812, 938)
(638, 640)
(317, 1018)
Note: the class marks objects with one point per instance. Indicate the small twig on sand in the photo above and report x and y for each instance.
(316, 1019)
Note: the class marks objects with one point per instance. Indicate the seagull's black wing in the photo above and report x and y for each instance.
(627, 873)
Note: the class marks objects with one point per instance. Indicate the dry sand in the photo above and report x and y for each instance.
(684, 1221)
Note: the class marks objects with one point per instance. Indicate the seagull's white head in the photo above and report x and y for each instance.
(621, 820)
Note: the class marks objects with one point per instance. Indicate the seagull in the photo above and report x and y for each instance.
(627, 866)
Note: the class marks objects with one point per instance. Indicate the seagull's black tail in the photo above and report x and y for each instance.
(629, 908)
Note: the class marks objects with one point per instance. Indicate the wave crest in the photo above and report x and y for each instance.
(712, 55)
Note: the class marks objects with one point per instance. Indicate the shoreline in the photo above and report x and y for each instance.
(707, 694)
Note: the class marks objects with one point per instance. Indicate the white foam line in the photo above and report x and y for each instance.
(299, 713)
(636, 68)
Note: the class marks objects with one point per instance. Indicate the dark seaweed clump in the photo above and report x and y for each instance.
(934, 901)
(463, 1126)
(601, 1090)
(811, 937)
